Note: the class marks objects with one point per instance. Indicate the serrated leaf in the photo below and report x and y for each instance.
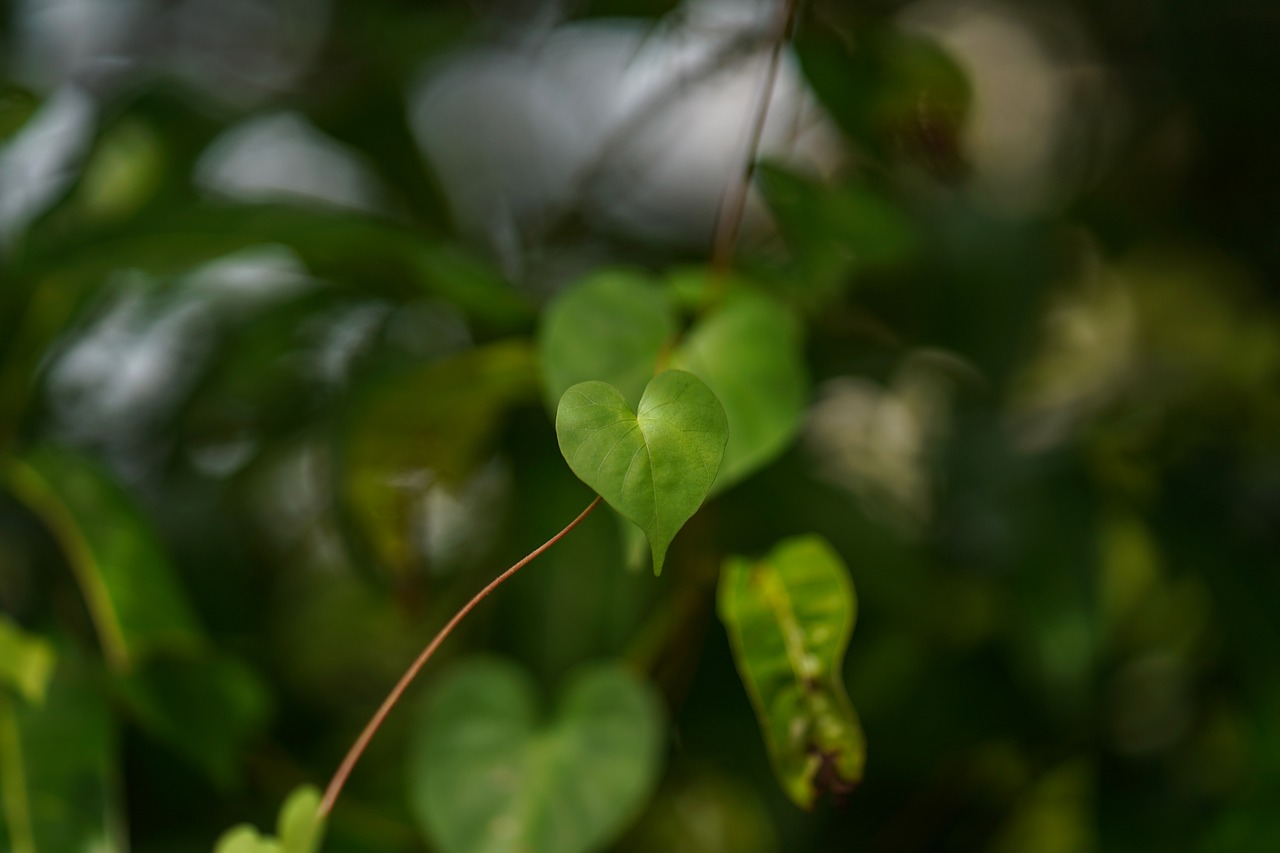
(610, 327)
(487, 775)
(789, 619)
(748, 353)
(128, 584)
(26, 661)
(655, 465)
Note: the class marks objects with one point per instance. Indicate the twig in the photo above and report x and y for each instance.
(357, 749)
(734, 202)
(663, 98)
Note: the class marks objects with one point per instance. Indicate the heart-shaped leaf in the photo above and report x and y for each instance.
(613, 326)
(748, 353)
(789, 619)
(299, 828)
(656, 465)
(485, 775)
(609, 327)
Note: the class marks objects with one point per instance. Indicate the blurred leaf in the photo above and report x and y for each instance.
(748, 353)
(1205, 334)
(26, 661)
(486, 775)
(1055, 816)
(896, 94)
(300, 825)
(435, 423)
(16, 106)
(609, 327)
(57, 274)
(125, 171)
(135, 601)
(243, 838)
(682, 433)
(789, 619)
(702, 811)
(299, 828)
(205, 708)
(469, 283)
(835, 232)
(57, 768)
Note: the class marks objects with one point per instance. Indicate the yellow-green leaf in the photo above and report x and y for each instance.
(135, 600)
(654, 466)
(299, 828)
(789, 618)
(26, 661)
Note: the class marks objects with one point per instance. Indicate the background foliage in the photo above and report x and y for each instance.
(255, 447)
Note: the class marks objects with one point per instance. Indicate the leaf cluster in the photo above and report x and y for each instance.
(254, 451)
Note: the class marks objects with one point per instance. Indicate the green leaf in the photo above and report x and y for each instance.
(299, 828)
(435, 423)
(748, 353)
(62, 271)
(610, 327)
(902, 97)
(300, 825)
(17, 105)
(467, 282)
(134, 599)
(205, 708)
(178, 689)
(486, 775)
(654, 467)
(243, 838)
(26, 661)
(789, 619)
(58, 766)
(614, 328)
(833, 234)
(701, 809)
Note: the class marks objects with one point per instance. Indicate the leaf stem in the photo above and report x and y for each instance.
(734, 203)
(13, 782)
(371, 728)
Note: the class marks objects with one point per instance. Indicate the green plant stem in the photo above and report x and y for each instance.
(371, 728)
(13, 783)
(35, 491)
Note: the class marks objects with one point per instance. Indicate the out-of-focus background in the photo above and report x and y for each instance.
(256, 255)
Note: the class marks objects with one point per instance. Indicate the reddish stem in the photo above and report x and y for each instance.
(357, 749)
(734, 203)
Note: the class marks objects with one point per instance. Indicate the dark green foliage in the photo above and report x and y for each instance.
(254, 452)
